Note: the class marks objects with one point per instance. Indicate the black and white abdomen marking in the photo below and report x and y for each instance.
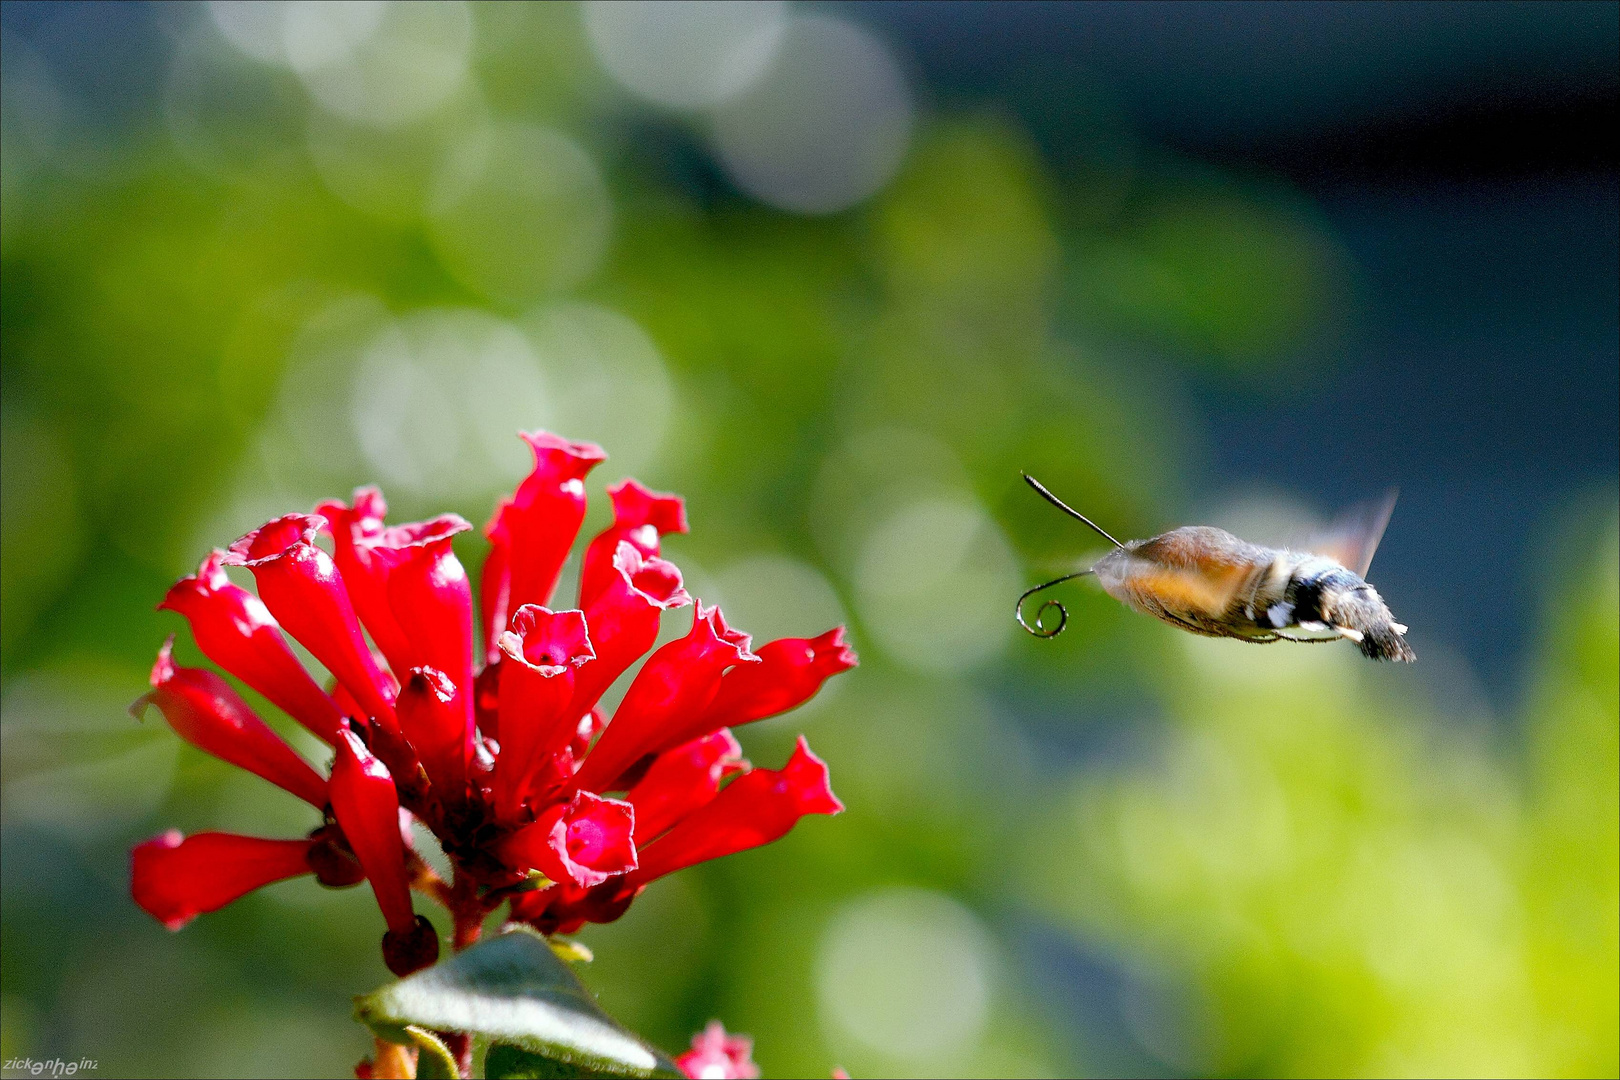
(1320, 596)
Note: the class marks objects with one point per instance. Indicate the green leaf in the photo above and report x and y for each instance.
(513, 989)
(433, 1060)
(505, 1062)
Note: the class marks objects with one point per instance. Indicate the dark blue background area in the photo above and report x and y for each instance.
(109, 56)
(1480, 374)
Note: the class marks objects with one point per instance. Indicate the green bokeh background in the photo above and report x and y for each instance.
(1296, 863)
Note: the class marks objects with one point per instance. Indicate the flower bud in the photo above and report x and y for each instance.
(411, 949)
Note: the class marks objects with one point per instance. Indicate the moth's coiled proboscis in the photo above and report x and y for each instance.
(1039, 629)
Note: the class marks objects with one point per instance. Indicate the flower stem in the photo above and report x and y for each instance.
(467, 911)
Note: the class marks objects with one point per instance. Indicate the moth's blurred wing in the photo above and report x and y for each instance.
(1204, 594)
(1354, 537)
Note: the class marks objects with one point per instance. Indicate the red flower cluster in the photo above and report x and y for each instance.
(718, 1056)
(535, 797)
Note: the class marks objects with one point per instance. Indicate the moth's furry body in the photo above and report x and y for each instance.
(1209, 582)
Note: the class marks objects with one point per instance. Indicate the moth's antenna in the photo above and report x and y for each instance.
(1039, 629)
(1072, 512)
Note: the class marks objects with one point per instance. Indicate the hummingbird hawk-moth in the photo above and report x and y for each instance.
(1207, 581)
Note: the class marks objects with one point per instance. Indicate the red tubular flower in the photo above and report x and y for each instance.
(301, 586)
(175, 878)
(581, 842)
(718, 1056)
(347, 704)
(430, 601)
(542, 651)
(666, 704)
(367, 809)
(564, 908)
(204, 710)
(789, 673)
(495, 583)
(433, 721)
(430, 596)
(681, 780)
(365, 573)
(640, 517)
(624, 620)
(544, 515)
(235, 630)
(754, 809)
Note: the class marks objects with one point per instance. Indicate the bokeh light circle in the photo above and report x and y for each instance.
(825, 128)
(316, 33)
(519, 212)
(412, 61)
(935, 583)
(378, 62)
(437, 397)
(608, 382)
(685, 53)
(390, 172)
(257, 27)
(906, 972)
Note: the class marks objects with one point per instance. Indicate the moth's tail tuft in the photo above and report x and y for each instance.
(1387, 646)
(1375, 631)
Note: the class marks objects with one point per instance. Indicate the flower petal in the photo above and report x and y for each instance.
(487, 699)
(539, 657)
(754, 809)
(563, 908)
(583, 842)
(175, 878)
(544, 515)
(301, 586)
(365, 575)
(204, 710)
(789, 673)
(433, 720)
(430, 596)
(681, 780)
(624, 620)
(640, 517)
(235, 630)
(667, 703)
(367, 808)
(495, 583)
